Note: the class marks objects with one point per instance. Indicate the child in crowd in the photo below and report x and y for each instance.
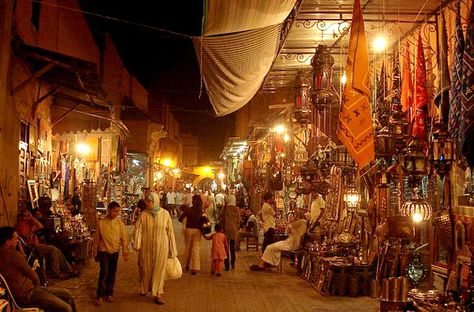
(109, 237)
(219, 249)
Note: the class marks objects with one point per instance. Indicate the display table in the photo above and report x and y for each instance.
(334, 275)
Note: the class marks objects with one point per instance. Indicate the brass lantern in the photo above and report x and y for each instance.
(442, 152)
(384, 144)
(322, 63)
(417, 208)
(398, 128)
(302, 110)
(352, 198)
(414, 161)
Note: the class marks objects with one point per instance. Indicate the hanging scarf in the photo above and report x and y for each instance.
(153, 197)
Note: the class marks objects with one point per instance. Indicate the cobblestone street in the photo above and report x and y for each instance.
(237, 290)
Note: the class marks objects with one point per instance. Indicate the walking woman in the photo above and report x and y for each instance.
(230, 219)
(192, 234)
(154, 239)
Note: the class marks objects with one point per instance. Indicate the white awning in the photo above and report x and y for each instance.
(234, 66)
(230, 16)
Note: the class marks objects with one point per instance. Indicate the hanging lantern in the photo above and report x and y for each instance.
(442, 152)
(398, 127)
(301, 154)
(302, 111)
(414, 161)
(352, 198)
(384, 144)
(417, 208)
(382, 176)
(322, 63)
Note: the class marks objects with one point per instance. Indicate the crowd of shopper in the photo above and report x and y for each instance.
(153, 239)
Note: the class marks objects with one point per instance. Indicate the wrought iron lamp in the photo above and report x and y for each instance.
(398, 127)
(442, 152)
(417, 208)
(352, 198)
(302, 111)
(322, 64)
(414, 161)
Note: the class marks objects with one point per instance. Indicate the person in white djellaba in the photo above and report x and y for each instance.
(272, 254)
(154, 239)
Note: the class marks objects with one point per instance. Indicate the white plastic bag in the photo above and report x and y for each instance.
(173, 269)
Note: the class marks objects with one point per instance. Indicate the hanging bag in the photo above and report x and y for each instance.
(173, 269)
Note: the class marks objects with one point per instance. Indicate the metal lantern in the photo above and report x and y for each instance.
(322, 64)
(398, 127)
(414, 161)
(384, 144)
(352, 198)
(442, 152)
(302, 111)
(417, 208)
(382, 176)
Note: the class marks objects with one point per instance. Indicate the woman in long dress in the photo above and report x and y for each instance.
(154, 239)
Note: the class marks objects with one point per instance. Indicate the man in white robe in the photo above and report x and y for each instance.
(154, 239)
(272, 254)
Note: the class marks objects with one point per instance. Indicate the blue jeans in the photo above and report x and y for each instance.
(50, 299)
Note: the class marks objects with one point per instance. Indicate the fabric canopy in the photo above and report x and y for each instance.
(230, 16)
(234, 66)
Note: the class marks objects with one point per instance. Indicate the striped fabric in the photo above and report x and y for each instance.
(230, 16)
(234, 66)
(467, 95)
(456, 84)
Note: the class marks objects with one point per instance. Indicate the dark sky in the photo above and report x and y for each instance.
(164, 63)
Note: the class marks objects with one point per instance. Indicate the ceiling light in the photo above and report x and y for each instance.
(380, 43)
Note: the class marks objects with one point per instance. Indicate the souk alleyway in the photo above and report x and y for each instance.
(237, 290)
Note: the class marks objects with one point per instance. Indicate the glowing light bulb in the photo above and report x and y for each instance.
(221, 175)
(286, 138)
(82, 148)
(417, 217)
(380, 43)
(279, 129)
(343, 79)
(167, 162)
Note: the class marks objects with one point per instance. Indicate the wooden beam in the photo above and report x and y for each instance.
(65, 114)
(42, 98)
(35, 76)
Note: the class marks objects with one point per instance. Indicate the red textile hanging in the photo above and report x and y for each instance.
(421, 95)
(407, 85)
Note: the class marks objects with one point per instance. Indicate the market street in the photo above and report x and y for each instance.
(236, 290)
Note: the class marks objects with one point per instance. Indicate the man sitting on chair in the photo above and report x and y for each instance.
(272, 254)
(24, 282)
(251, 227)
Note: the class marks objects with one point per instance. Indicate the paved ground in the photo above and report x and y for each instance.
(237, 290)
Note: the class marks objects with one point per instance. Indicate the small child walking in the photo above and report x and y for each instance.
(219, 250)
(110, 236)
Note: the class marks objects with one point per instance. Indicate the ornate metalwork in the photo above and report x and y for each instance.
(299, 57)
(338, 28)
(322, 94)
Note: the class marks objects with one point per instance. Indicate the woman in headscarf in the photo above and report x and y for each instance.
(192, 234)
(230, 219)
(154, 239)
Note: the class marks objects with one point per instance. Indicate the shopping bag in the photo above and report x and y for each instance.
(173, 269)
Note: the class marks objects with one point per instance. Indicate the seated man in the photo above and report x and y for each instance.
(272, 254)
(28, 227)
(23, 281)
(250, 229)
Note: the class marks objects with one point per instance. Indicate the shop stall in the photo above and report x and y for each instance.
(381, 158)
